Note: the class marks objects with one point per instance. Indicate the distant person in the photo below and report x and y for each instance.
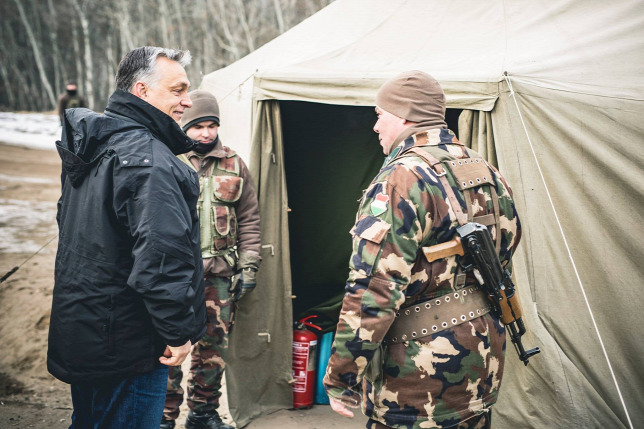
(128, 296)
(443, 367)
(230, 243)
(70, 99)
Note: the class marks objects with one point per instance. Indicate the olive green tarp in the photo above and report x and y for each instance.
(567, 134)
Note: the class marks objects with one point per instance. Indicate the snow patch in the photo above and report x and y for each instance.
(33, 130)
(26, 225)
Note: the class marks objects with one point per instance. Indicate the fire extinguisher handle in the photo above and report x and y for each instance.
(305, 322)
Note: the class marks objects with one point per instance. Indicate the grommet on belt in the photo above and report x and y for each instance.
(433, 316)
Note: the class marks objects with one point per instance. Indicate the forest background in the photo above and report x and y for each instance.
(46, 43)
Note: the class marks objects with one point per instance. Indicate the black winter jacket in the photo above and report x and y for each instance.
(128, 275)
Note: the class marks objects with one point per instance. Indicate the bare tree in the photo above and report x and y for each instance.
(60, 73)
(35, 46)
(244, 23)
(278, 14)
(84, 39)
(89, 67)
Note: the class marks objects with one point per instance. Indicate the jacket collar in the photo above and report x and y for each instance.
(431, 137)
(128, 106)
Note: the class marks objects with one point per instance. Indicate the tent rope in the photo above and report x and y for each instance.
(563, 235)
(238, 87)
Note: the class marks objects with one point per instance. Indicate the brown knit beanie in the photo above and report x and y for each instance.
(204, 108)
(415, 96)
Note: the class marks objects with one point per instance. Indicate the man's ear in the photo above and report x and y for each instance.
(140, 90)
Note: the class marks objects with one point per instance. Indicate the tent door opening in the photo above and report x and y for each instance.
(331, 153)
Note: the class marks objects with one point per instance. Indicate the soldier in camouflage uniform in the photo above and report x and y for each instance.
(446, 379)
(70, 99)
(230, 243)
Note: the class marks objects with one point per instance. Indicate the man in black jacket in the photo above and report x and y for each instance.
(128, 295)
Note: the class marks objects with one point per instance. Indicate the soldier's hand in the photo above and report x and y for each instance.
(174, 356)
(340, 408)
(244, 285)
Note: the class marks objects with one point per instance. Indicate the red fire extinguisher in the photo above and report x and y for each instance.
(304, 347)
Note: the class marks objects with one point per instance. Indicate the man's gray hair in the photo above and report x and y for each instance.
(139, 65)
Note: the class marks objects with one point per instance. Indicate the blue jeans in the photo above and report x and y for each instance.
(133, 402)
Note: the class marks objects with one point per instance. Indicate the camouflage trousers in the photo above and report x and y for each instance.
(207, 361)
(482, 421)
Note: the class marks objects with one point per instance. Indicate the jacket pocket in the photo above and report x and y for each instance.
(227, 188)
(368, 234)
(221, 218)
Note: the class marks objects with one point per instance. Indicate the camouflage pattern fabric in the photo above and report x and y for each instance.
(208, 355)
(481, 421)
(439, 380)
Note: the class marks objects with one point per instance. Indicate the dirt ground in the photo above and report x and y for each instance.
(29, 396)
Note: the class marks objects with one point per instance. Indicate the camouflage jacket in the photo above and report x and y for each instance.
(439, 380)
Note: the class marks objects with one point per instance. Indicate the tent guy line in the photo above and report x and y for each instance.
(572, 261)
(238, 87)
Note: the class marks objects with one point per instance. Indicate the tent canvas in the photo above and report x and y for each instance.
(565, 127)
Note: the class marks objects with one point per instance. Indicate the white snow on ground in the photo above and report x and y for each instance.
(26, 225)
(34, 130)
(22, 179)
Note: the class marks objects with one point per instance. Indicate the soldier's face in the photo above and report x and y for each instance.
(388, 127)
(169, 93)
(203, 132)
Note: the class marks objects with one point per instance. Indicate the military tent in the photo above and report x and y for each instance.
(551, 91)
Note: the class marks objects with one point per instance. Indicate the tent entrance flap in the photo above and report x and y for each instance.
(331, 153)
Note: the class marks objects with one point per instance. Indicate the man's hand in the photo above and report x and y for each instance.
(174, 356)
(340, 408)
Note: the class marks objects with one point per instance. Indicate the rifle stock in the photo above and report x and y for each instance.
(495, 280)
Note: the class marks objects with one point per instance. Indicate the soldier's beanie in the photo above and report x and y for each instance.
(415, 96)
(204, 108)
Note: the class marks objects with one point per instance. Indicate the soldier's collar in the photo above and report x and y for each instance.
(431, 137)
(216, 152)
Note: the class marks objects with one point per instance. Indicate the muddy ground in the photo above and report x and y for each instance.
(29, 396)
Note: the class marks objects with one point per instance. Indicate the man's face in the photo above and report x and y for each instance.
(388, 126)
(169, 93)
(203, 132)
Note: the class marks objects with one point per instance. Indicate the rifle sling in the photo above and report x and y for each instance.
(462, 217)
(442, 176)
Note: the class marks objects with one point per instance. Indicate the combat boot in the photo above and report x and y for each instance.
(206, 420)
(166, 424)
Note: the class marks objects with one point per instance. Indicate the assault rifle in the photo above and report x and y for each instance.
(474, 242)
